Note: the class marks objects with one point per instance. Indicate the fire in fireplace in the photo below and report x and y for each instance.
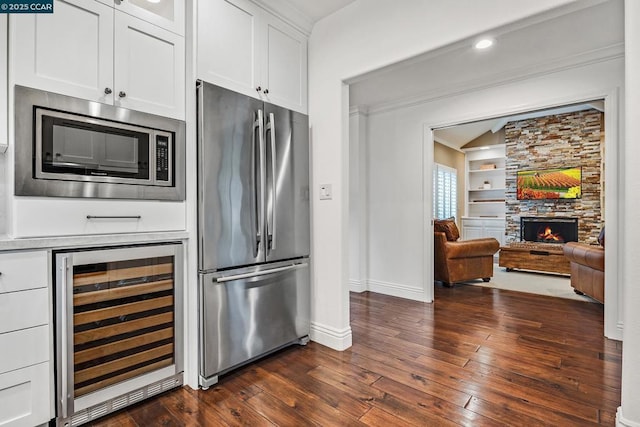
(549, 230)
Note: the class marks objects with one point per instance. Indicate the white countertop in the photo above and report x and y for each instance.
(9, 244)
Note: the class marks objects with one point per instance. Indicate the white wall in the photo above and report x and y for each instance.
(396, 147)
(358, 202)
(362, 37)
(629, 411)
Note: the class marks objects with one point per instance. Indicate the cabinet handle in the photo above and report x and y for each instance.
(122, 94)
(114, 216)
(107, 91)
(266, 91)
(258, 89)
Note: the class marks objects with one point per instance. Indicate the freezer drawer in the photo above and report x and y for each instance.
(248, 313)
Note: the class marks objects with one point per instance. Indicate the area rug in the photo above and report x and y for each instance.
(531, 282)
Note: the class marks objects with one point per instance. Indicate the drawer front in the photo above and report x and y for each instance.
(25, 397)
(23, 270)
(64, 217)
(22, 310)
(28, 347)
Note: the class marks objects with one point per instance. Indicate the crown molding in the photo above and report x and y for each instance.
(359, 110)
(285, 11)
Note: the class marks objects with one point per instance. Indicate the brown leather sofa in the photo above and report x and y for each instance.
(587, 269)
(459, 261)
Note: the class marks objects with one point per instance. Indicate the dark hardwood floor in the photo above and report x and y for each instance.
(476, 357)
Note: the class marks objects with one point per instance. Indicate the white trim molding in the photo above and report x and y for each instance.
(621, 421)
(357, 286)
(337, 339)
(397, 290)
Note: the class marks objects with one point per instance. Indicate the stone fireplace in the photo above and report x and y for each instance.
(562, 140)
(549, 230)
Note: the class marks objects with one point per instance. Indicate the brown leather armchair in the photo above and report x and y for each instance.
(587, 269)
(459, 261)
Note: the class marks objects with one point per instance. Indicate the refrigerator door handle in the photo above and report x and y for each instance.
(258, 127)
(259, 273)
(271, 128)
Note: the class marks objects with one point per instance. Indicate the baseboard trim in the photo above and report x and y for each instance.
(621, 421)
(337, 339)
(357, 286)
(397, 290)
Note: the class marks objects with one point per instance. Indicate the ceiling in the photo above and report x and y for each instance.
(315, 10)
(457, 136)
(586, 32)
(303, 14)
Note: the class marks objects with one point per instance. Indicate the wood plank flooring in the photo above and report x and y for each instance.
(476, 357)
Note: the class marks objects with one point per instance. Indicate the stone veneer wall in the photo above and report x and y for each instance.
(563, 140)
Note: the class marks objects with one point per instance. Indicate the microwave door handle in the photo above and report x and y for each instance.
(271, 128)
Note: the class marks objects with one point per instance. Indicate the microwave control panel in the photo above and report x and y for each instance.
(162, 158)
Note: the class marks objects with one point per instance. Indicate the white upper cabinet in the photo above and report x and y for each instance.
(69, 52)
(228, 44)
(89, 50)
(149, 68)
(285, 73)
(244, 48)
(168, 14)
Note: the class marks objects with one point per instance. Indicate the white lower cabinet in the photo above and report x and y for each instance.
(39, 217)
(25, 396)
(476, 228)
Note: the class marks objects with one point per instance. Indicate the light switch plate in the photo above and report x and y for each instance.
(325, 192)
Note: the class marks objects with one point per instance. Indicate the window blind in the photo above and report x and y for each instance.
(445, 188)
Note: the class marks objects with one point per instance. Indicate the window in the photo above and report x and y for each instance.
(445, 191)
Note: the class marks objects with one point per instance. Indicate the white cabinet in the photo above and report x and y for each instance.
(26, 397)
(92, 216)
(476, 228)
(89, 50)
(246, 49)
(167, 14)
(25, 335)
(149, 68)
(485, 182)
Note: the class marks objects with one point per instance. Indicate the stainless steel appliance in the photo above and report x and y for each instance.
(118, 328)
(253, 229)
(72, 147)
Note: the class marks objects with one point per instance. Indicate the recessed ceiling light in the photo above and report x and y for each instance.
(154, 1)
(483, 43)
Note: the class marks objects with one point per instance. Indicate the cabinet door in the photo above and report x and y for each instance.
(168, 14)
(228, 52)
(284, 77)
(495, 232)
(149, 68)
(471, 232)
(68, 52)
(25, 396)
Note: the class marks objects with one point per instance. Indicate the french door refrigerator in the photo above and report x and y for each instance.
(253, 229)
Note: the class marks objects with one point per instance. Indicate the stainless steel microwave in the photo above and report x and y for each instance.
(71, 147)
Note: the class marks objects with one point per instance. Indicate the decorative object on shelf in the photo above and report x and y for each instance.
(487, 166)
(486, 185)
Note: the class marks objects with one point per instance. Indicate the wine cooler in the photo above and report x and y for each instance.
(118, 328)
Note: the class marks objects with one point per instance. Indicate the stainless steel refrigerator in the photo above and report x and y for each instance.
(253, 229)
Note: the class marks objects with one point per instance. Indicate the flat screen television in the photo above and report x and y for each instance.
(560, 183)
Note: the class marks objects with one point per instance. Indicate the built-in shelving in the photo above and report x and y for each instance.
(485, 182)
